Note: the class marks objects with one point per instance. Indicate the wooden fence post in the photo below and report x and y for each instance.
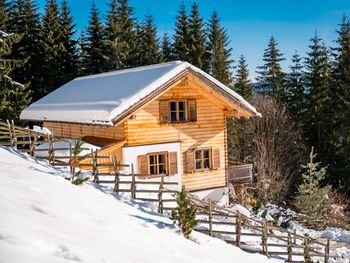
(210, 218)
(264, 238)
(94, 166)
(51, 150)
(133, 183)
(238, 229)
(326, 252)
(295, 236)
(289, 247)
(116, 174)
(306, 248)
(160, 195)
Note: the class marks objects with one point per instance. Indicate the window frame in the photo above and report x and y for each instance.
(157, 163)
(177, 111)
(202, 159)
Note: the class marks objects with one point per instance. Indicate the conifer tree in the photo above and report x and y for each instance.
(295, 91)
(166, 49)
(182, 36)
(24, 20)
(312, 198)
(270, 75)
(243, 85)
(197, 38)
(218, 61)
(121, 36)
(14, 97)
(93, 58)
(148, 47)
(4, 15)
(69, 56)
(52, 49)
(185, 213)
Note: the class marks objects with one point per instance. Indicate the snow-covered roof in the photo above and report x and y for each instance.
(101, 98)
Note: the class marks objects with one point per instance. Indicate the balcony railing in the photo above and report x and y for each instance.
(239, 173)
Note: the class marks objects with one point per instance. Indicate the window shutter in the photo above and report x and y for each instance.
(142, 164)
(190, 161)
(164, 112)
(215, 155)
(192, 110)
(172, 162)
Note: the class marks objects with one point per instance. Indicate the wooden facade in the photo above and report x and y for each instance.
(199, 123)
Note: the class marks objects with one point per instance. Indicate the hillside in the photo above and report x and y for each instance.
(44, 218)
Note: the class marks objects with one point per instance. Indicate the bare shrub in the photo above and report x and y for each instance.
(337, 213)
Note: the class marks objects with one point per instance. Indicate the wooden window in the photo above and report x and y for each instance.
(158, 163)
(177, 111)
(202, 159)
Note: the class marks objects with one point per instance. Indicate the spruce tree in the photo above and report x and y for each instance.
(69, 55)
(93, 58)
(52, 49)
(14, 97)
(182, 36)
(312, 197)
(185, 213)
(218, 62)
(166, 49)
(148, 48)
(24, 19)
(270, 75)
(243, 85)
(196, 43)
(294, 98)
(4, 5)
(121, 36)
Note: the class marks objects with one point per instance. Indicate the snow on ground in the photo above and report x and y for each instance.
(44, 218)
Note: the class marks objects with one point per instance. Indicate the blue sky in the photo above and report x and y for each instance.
(249, 23)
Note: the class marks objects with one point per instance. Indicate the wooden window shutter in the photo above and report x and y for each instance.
(164, 112)
(192, 110)
(142, 164)
(215, 155)
(172, 162)
(190, 167)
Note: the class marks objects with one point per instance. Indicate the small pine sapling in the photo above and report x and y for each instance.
(74, 160)
(312, 200)
(185, 214)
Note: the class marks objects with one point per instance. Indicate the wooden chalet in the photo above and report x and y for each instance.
(167, 118)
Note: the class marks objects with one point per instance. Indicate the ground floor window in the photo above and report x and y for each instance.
(158, 163)
(202, 159)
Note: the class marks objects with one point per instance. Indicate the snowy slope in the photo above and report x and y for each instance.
(44, 218)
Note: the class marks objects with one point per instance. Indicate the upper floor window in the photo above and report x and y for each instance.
(173, 111)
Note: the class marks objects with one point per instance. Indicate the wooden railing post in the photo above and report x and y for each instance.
(94, 167)
(326, 252)
(238, 229)
(133, 183)
(51, 150)
(160, 195)
(306, 248)
(116, 174)
(210, 219)
(295, 236)
(264, 238)
(289, 247)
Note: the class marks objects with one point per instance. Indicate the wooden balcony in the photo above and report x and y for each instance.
(240, 173)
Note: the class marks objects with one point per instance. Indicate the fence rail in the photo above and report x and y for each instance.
(240, 173)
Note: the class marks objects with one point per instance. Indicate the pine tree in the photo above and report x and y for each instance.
(24, 20)
(69, 55)
(312, 198)
(271, 77)
(4, 23)
(93, 58)
(148, 48)
(182, 36)
(52, 49)
(196, 43)
(166, 50)
(243, 85)
(185, 213)
(14, 97)
(218, 61)
(294, 98)
(121, 36)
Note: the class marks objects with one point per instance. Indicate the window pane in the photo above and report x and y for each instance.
(181, 105)
(182, 116)
(152, 159)
(153, 169)
(206, 163)
(173, 116)
(173, 106)
(198, 154)
(205, 153)
(161, 158)
(162, 169)
(198, 164)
